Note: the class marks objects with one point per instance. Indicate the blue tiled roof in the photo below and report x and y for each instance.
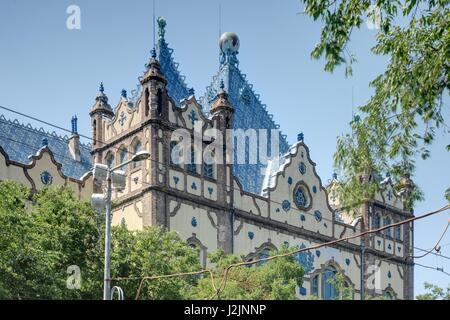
(250, 112)
(20, 141)
(176, 86)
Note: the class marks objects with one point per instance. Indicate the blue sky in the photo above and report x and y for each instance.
(53, 73)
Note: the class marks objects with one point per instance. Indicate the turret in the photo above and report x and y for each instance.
(155, 99)
(100, 112)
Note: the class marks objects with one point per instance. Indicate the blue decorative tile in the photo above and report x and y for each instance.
(286, 205)
(277, 210)
(318, 253)
(194, 186)
(302, 217)
(251, 235)
(194, 222)
(389, 274)
(302, 168)
(290, 180)
(318, 215)
(210, 190)
(46, 178)
(314, 189)
(347, 261)
(176, 179)
(379, 242)
(389, 246)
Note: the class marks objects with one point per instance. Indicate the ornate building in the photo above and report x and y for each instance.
(219, 205)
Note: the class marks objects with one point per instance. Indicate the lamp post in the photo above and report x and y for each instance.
(111, 175)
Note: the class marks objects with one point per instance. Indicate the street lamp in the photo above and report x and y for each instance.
(116, 177)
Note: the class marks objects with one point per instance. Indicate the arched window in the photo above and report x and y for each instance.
(109, 159)
(263, 254)
(388, 295)
(386, 222)
(208, 166)
(329, 290)
(147, 102)
(192, 167)
(176, 154)
(376, 222)
(136, 147)
(315, 285)
(94, 134)
(159, 102)
(123, 157)
(398, 232)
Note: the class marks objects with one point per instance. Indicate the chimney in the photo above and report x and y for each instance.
(74, 141)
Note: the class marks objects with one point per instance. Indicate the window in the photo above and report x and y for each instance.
(315, 285)
(329, 290)
(376, 221)
(137, 146)
(176, 154)
(208, 170)
(300, 197)
(263, 254)
(386, 222)
(109, 160)
(398, 232)
(388, 295)
(192, 167)
(159, 101)
(123, 156)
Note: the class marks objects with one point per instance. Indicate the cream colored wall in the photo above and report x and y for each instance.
(129, 213)
(114, 128)
(205, 231)
(285, 191)
(12, 172)
(43, 162)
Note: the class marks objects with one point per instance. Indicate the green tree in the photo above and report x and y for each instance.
(273, 280)
(152, 252)
(343, 290)
(42, 235)
(434, 293)
(401, 119)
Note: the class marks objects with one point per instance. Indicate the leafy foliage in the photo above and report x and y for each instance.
(434, 293)
(273, 280)
(401, 119)
(41, 236)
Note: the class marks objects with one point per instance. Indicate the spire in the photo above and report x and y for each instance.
(221, 102)
(101, 103)
(176, 87)
(74, 125)
(123, 93)
(153, 70)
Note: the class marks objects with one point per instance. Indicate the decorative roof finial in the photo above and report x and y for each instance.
(388, 174)
(124, 93)
(300, 137)
(44, 142)
(74, 125)
(161, 27)
(334, 175)
(229, 48)
(222, 84)
(102, 88)
(153, 53)
(191, 91)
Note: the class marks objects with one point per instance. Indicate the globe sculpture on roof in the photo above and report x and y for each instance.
(229, 42)
(229, 47)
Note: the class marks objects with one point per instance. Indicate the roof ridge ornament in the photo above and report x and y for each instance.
(161, 27)
(229, 49)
